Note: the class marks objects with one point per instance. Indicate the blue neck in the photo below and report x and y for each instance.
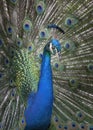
(46, 72)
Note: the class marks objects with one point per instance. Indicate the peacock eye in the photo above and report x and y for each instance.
(48, 45)
(40, 7)
(6, 61)
(73, 125)
(41, 56)
(27, 25)
(22, 121)
(42, 34)
(82, 127)
(1, 75)
(59, 126)
(65, 127)
(56, 119)
(53, 47)
(1, 42)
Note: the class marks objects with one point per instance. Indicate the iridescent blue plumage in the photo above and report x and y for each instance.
(39, 110)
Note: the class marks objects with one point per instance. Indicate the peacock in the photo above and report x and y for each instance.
(46, 65)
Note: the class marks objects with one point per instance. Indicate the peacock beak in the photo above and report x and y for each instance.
(51, 48)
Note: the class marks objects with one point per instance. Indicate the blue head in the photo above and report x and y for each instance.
(53, 47)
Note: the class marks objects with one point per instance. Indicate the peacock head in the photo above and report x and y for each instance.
(53, 47)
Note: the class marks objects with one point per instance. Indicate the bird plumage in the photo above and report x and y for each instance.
(24, 32)
(40, 118)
